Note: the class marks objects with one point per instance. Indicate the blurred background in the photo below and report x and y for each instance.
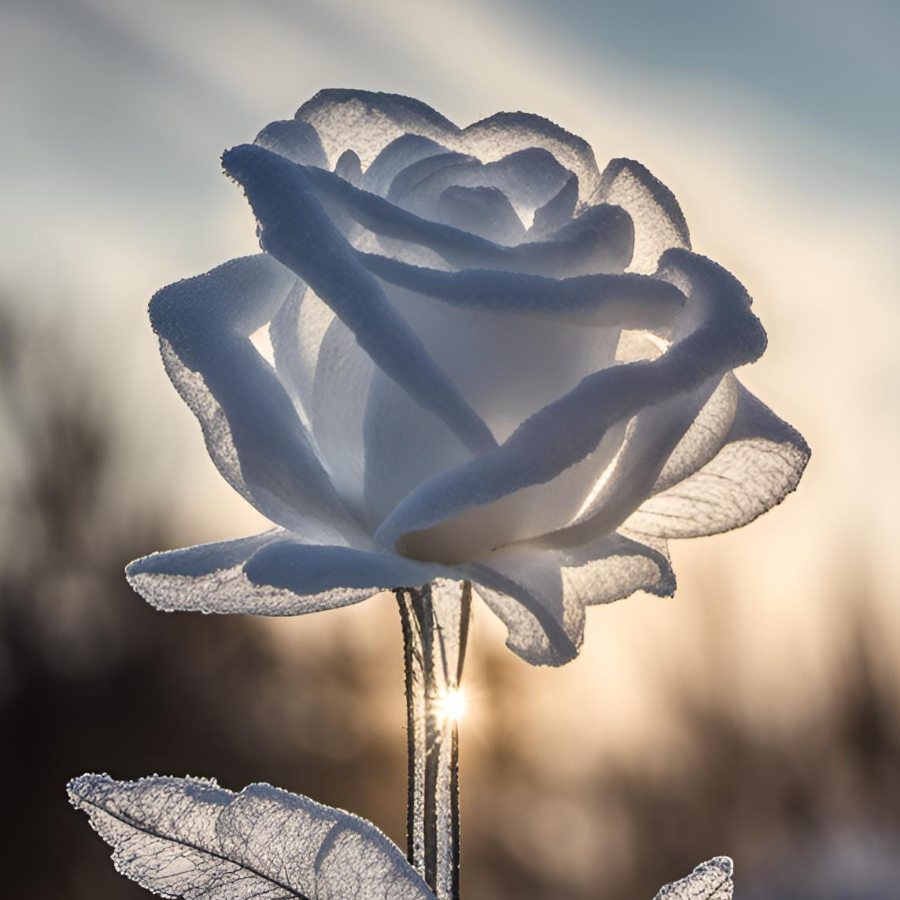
(757, 714)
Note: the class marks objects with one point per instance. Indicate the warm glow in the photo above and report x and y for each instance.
(452, 704)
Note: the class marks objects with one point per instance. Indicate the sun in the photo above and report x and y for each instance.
(451, 704)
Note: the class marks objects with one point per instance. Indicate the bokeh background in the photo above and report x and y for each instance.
(757, 714)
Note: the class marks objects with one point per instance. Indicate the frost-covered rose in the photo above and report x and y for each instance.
(463, 354)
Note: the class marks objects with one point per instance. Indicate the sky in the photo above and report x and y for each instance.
(774, 124)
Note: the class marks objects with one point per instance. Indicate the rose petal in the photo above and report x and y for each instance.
(759, 465)
(556, 212)
(658, 221)
(541, 594)
(296, 230)
(205, 578)
(482, 210)
(599, 240)
(397, 156)
(622, 301)
(366, 122)
(505, 132)
(317, 578)
(296, 141)
(252, 431)
(528, 178)
(462, 513)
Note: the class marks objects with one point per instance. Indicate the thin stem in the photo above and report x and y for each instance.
(435, 631)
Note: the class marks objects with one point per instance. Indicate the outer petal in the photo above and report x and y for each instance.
(271, 574)
(251, 428)
(659, 223)
(297, 231)
(540, 593)
(366, 122)
(294, 140)
(759, 465)
(463, 513)
(505, 132)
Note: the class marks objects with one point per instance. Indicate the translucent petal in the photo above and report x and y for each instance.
(505, 132)
(296, 230)
(556, 212)
(397, 156)
(460, 514)
(658, 221)
(251, 427)
(599, 240)
(188, 837)
(759, 464)
(482, 210)
(294, 140)
(540, 594)
(366, 122)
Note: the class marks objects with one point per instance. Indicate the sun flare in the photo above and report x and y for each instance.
(451, 704)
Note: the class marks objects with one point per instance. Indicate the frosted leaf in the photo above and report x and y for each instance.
(187, 837)
(709, 881)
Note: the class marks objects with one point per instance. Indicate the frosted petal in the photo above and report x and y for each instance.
(658, 221)
(397, 156)
(251, 427)
(599, 240)
(759, 464)
(405, 444)
(506, 132)
(324, 577)
(507, 366)
(482, 210)
(621, 301)
(450, 517)
(253, 576)
(187, 837)
(528, 178)
(296, 230)
(349, 168)
(709, 881)
(366, 122)
(556, 212)
(296, 141)
(541, 594)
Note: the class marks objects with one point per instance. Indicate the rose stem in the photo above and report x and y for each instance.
(435, 630)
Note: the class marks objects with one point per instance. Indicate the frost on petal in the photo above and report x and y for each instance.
(296, 230)
(401, 153)
(294, 140)
(759, 464)
(540, 593)
(462, 513)
(252, 430)
(600, 239)
(271, 574)
(506, 132)
(658, 221)
(709, 881)
(366, 122)
(187, 837)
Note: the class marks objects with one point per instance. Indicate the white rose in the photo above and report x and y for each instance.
(491, 362)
